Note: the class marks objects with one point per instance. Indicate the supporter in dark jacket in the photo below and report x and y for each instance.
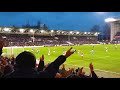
(24, 67)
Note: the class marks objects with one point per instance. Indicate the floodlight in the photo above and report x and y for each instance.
(110, 20)
(88, 32)
(77, 32)
(71, 32)
(96, 34)
(6, 29)
(85, 32)
(31, 31)
(21, 30)
(62, 31)
(52, 31)
(42, 31)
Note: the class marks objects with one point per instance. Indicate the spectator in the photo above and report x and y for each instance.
(24, 67)
(8, 69)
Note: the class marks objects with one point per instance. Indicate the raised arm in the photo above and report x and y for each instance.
(41, 64)
(53, 68)
(93, 75)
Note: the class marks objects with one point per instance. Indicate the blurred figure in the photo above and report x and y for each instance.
(8, 69)
(82, 55)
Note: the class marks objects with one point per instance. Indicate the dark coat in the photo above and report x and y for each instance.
(49, 72)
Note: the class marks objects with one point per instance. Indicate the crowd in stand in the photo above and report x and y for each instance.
(29, 40)
(24, 66)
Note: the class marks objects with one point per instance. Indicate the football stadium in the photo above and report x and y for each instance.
(88, 53)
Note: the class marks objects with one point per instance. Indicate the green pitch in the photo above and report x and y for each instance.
(107, 62)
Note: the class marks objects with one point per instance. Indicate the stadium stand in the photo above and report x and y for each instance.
(37, 37)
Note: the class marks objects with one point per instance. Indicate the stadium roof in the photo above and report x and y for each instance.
(45, 32)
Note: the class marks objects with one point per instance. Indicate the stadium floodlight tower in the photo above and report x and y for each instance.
(114, 26)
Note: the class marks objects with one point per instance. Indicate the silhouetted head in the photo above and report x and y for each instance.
(26, 60)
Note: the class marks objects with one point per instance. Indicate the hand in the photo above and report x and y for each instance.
(42, 58)
(91, 67)
(80, 72)
(63, 66)
(58, 75)
(72, 69)
(69, 53)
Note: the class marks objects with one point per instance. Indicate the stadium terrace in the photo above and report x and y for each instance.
(30, 37)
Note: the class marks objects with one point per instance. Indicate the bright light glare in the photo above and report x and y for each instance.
(85, 32)
(21, 30)
(96, 34)
(52, 30)
(110, 20)
(70, 32)
(100, 12)
(77, 32)
(62, 31)
(31, 31)
(88, 32)
(6, 29)
(42, 31)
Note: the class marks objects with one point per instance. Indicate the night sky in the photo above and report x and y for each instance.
(82, 21)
